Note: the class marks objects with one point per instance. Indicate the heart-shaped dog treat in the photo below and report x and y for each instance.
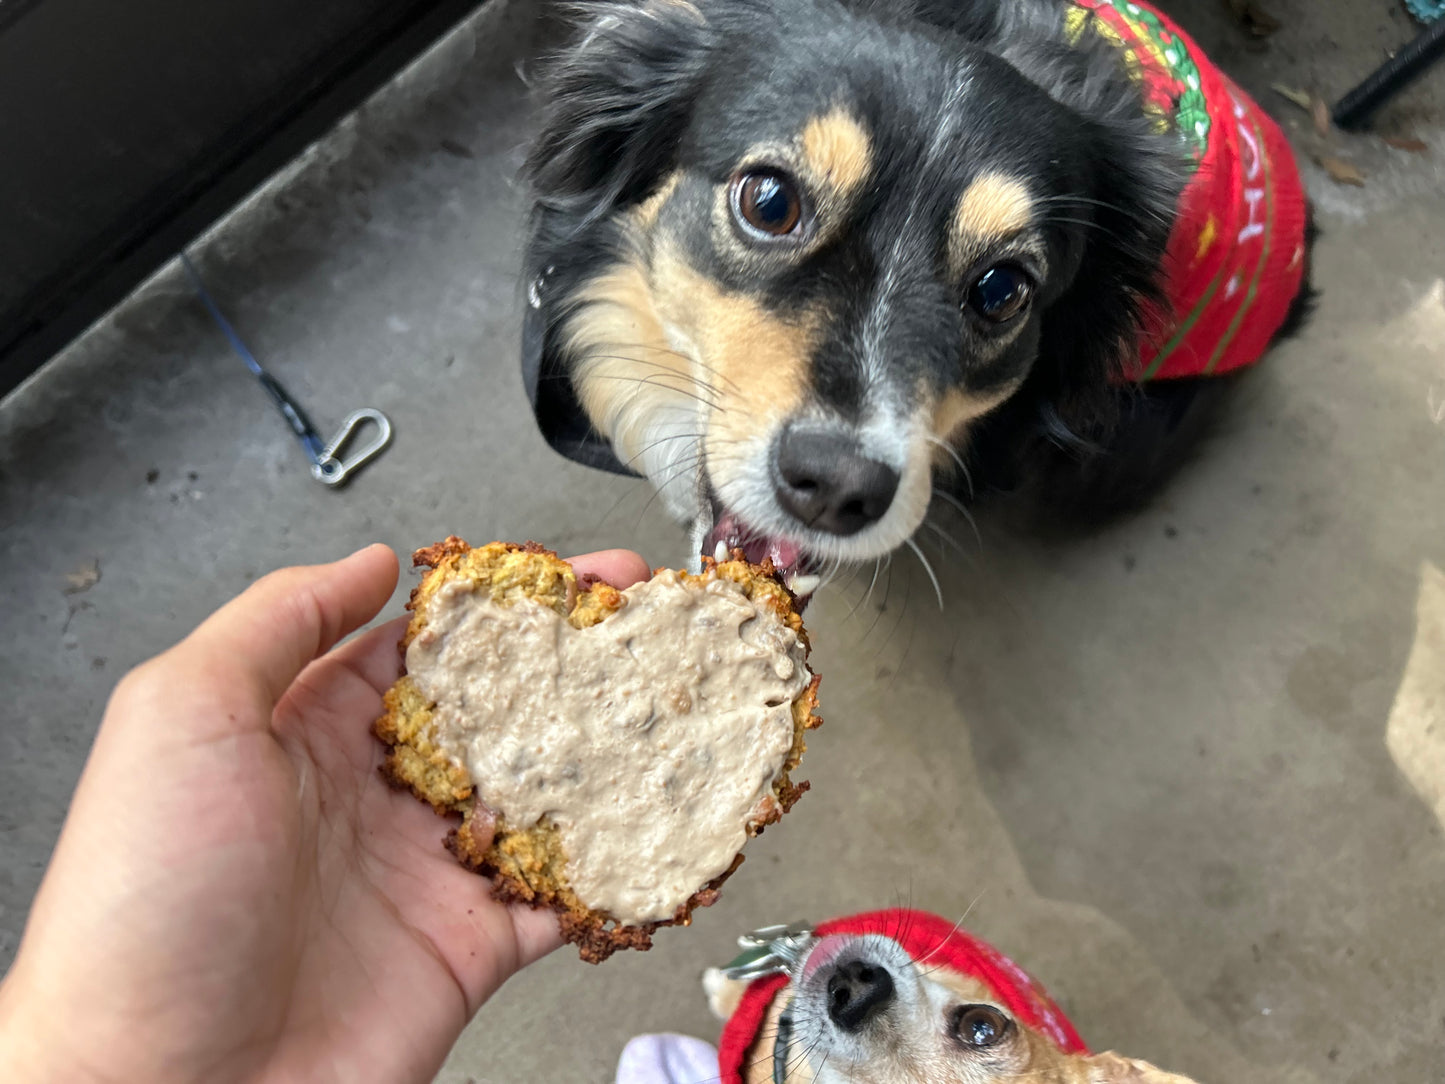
(610, 751)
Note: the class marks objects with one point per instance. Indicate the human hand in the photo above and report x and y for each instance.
(236, 895)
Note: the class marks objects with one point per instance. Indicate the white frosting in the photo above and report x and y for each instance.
(651, 739)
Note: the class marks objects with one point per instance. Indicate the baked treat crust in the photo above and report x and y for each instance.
(527, 863)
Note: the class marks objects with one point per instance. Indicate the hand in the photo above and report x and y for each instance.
(236, 894)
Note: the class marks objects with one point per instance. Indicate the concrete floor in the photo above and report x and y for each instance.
(1190, 771)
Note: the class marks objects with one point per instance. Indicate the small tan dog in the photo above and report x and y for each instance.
(896, 997)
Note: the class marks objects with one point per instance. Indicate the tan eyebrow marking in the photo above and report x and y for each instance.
(838, 149)
(993, 208)
(648, 210)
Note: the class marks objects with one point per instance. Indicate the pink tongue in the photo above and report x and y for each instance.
(783, 553)
(824, 952)
(730, 532)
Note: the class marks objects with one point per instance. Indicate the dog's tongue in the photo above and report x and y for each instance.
(782, 553)
(787, 556)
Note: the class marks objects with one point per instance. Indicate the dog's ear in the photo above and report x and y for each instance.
(724, 995)
(1111, 1068)
(617, 102)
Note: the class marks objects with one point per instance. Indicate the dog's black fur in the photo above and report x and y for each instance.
(674, 86)
(1084, 471)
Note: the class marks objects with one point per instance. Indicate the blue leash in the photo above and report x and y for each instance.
(325, 466)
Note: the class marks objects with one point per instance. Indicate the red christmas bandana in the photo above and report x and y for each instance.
(1236, 256)
(923, 936)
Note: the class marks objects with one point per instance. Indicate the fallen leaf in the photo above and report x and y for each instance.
(83, 578)
(1248, 14)
(1414, 146)
(1320, 112)
(1340, 171)
(1301, 98)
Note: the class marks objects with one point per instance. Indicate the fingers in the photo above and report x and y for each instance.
(330, 706)
(537, 933)
(620, 568)
(269, 633)
(257, 644)
(373, 656)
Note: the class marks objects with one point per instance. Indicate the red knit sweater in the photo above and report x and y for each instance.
(1236, 255)
(923, 936)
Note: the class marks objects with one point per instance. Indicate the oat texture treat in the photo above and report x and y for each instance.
(609, 751)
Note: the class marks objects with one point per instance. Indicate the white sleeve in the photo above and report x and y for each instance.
(667, 1059)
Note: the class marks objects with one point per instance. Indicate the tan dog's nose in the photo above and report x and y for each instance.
(858, 991)
(825, 481)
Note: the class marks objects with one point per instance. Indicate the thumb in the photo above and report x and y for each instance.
(260, 640)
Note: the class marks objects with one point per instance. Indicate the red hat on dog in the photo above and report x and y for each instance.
(922, 936)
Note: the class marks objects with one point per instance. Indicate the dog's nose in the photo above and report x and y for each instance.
(826, 482)
(858, 991)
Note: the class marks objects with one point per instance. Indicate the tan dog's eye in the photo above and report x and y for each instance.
(1000, 293)
(767, 202)
(978, 1026)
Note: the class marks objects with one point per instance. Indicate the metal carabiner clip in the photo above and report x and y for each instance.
(773, 950)
(332, 471)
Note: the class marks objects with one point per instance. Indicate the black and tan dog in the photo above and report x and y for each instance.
(792, 258)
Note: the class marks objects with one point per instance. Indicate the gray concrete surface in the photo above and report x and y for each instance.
(1190, 771)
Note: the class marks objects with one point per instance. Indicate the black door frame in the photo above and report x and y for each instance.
(200, 108)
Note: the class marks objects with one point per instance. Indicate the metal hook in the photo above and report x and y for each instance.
(773, 950)
(331, 471)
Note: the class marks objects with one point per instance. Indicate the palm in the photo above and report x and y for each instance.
(398, 931)
(240, 892)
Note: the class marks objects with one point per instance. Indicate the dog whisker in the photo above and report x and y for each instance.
(1064, 220)
(1067, 199)
(692, 378)
(658, 443)
(693, 391)
(956, 927)
(947, 538)
(902, 607)
(883, 606)
(857, 569)
(917, 552)
(904, 613)
(663, 368)
(858, 602)
(628, 492)
(656, 381)
(680, 356)
(957, 459)
(865, 596)
(962, 510)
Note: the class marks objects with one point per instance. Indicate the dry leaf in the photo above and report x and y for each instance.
(1301, 98)
(83, 578)
(1341, 172)
(1414, 146)
(1252, 17)
(1321, 114)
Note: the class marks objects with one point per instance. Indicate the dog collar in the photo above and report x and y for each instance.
(769, 956)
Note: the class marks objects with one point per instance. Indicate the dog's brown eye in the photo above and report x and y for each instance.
(979, 1026)
(1000, 293)
(768, 202)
